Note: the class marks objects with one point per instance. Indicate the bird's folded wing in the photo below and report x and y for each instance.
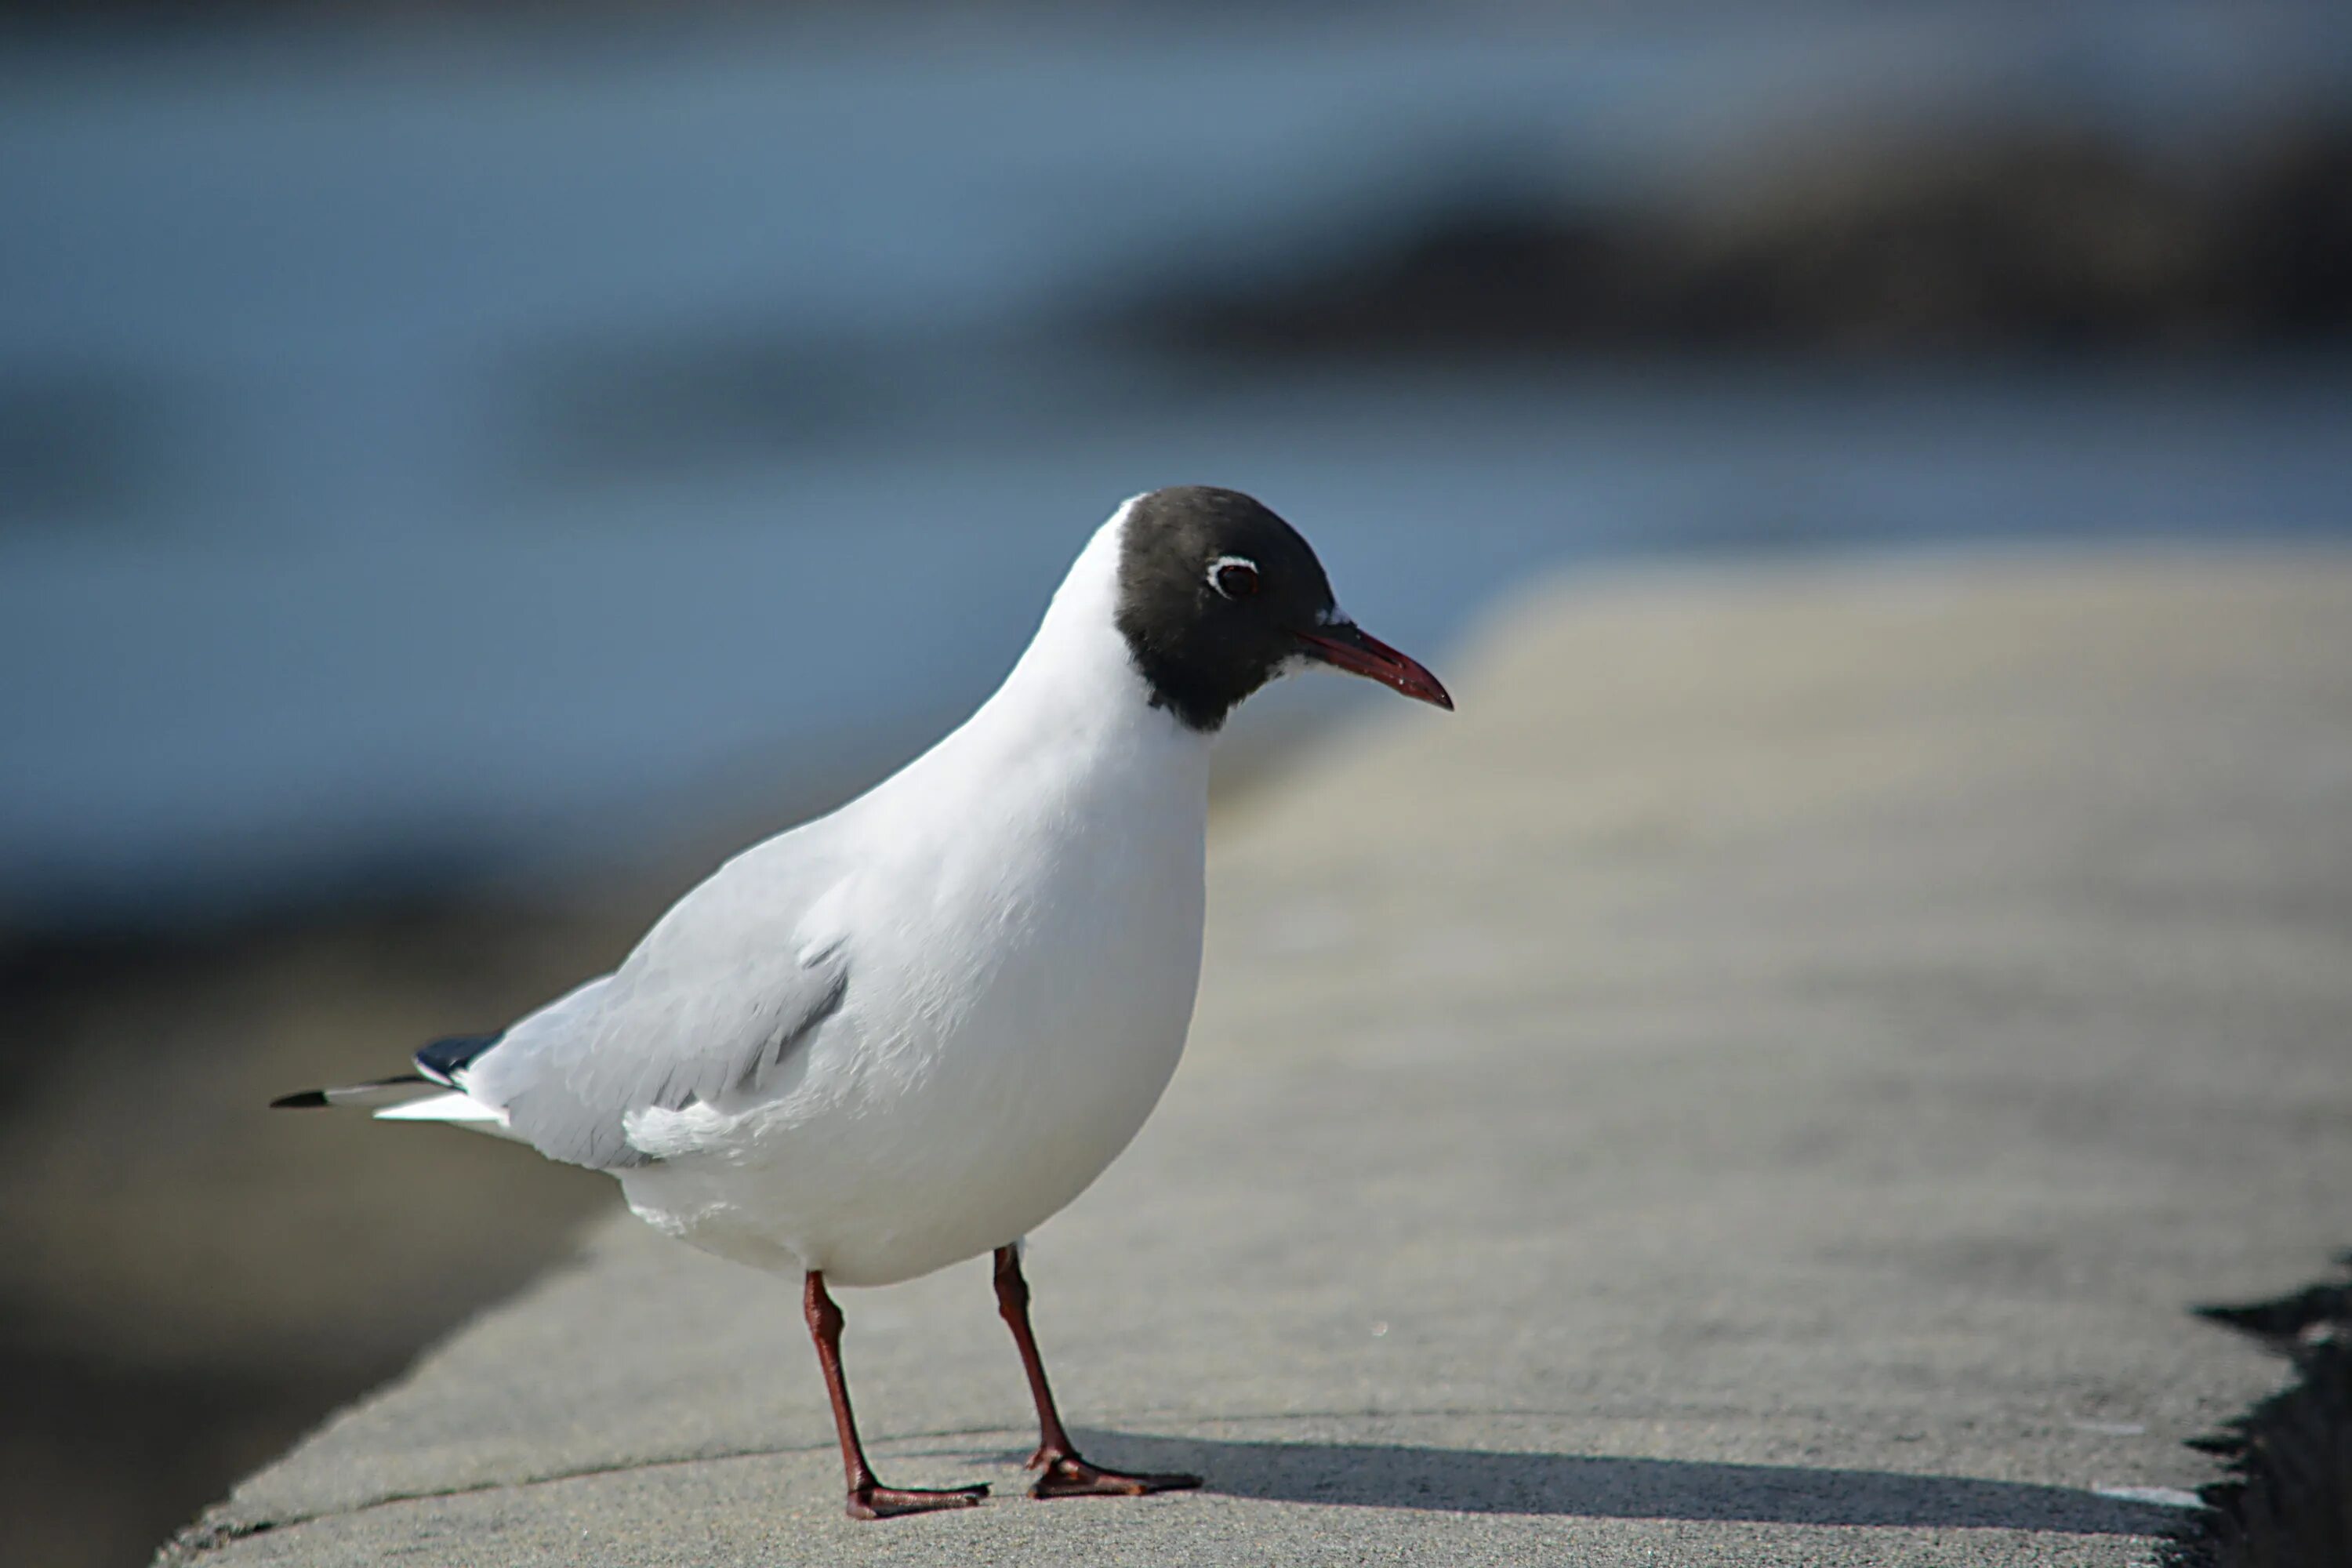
(740, 973)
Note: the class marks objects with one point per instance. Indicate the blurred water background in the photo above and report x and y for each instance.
(461, 467)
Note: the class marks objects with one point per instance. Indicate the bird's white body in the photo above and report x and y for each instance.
(906, 1033)
(1021, 910)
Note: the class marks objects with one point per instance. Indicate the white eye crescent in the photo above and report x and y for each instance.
(1233, 576)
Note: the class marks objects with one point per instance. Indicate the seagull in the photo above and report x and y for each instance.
(908, 1033)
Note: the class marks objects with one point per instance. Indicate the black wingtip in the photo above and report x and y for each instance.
(349, 1094)
(442, 1060)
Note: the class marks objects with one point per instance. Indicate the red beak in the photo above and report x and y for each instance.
(1360, 653)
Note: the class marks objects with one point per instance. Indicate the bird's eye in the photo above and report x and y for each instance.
(1234, 577)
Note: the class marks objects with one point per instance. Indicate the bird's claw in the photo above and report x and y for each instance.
(1067, 1475)
(889, 1503)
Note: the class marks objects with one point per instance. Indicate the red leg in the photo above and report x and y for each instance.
(1061, 1473)
(868, 1499)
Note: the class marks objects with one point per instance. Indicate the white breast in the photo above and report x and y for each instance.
(1024, 940)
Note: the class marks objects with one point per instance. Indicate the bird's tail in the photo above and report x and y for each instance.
(408, 1098)
(381, 1094)
(435, 1093)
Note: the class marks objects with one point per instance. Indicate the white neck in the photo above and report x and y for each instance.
(1078, 651)
(1075, 696)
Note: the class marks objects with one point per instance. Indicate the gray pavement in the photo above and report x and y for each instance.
(1763, 1084)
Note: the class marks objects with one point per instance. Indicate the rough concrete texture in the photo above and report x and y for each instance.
(1763, 1084)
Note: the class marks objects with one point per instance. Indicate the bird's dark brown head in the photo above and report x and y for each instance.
(1217, 596)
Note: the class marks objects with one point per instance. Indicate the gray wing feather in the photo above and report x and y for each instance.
(725, 987)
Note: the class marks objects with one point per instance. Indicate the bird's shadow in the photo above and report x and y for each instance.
(1476, 1480)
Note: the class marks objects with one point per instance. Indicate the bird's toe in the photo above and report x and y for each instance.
(1069, 1476)
(889, 1503)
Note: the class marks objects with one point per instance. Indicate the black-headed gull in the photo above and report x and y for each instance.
(909, 1032)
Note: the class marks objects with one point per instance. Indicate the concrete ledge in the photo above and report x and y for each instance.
(1765, 1083)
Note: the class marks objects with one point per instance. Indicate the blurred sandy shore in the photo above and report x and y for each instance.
(1766, 1082)
(189, 1281)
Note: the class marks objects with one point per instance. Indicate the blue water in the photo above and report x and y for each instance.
(476, 452)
